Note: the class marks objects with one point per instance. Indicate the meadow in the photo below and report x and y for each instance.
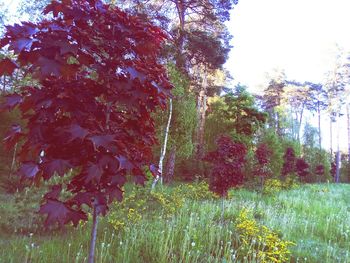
(175, 226)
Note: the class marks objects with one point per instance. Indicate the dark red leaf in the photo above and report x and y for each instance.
(54, 193)
(11, 101)
(58, 166)
(7, 67)
(115, 193)
(12, 137)
(85, 59)
(55, 7)
(4, 42)
(28, 170)
(59, 212)
(93, 173)
(82, 198)
(104, 141)
(21, 44)
(140, 179)
(124, 163)
(49, 67)
(118, 179)
(77, 132)
(134, 74)
(75, 217)
(56, 212)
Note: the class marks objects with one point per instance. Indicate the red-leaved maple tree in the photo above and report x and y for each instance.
(227, 163)
(263, 156)
(99, 78)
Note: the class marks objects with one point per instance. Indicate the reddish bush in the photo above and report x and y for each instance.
(289, 162)
(302, 168)
(333, 169)
(319, 170)
(227, 163)
(263, 156)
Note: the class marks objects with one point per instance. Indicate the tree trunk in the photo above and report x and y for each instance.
(300, 122)
(348, 124)
(202, 108)
(180, 59)
(331, 137)
(319, 125)
(262, 181)
(292, 120)
(337, 174)
(13, 159)
(170, 165)
(163, 150)
(93, 235)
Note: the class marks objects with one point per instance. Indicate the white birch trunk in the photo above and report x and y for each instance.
(348, 124)
(163, 150)
(337, 175)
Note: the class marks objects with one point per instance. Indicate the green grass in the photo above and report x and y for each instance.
(315, 217)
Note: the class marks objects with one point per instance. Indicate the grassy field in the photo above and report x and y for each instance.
(315, 217)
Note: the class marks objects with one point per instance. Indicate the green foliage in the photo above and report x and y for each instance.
(273, 186)
(234, 113)
(139, 203)
(196, 191)
(345, 170)
(315, 156)
(258, 242)
(184, 114)
(183, 121)
(8, 181)
(270, 138)
(18, 212)
(216, 122)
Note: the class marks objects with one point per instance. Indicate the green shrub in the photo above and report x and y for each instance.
(273, 186)
(139, 202)
(18, 212)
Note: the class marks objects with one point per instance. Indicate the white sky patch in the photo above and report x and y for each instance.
(295, 35)
(298, 36)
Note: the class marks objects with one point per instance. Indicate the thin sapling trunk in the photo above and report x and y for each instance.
(163, 150)
(93, 235)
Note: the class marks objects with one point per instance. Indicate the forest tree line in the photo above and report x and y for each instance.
(203, 106)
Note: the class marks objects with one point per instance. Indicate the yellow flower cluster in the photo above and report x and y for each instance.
(132, 209)
(272, 186)
(169, 202)
(196, 191)
(259, 243)
(160, 202)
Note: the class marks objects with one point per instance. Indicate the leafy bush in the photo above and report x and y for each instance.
(195, 191)
(289, 162)
(259, 243)
(139, 200)
(165, 202)
(228, 161)
(18, 212)
(273, 186)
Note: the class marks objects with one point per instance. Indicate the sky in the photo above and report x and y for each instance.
(298, 36)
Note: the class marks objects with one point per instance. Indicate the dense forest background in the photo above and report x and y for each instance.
(205, 105)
